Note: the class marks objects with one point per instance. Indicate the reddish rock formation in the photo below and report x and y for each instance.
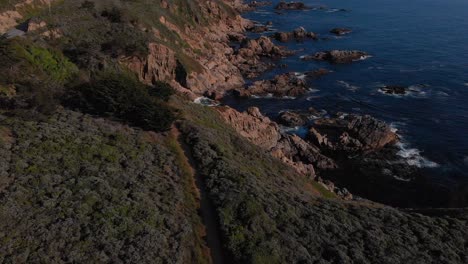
(262, 46)
(292, 119)
(290, 149)
(212, 65)
(248, 57)
(287, 84)
(159, 65)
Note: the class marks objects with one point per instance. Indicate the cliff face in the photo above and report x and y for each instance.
(210, 69)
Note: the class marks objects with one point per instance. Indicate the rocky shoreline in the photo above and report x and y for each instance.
(351, 151)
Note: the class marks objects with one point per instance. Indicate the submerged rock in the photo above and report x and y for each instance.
(291, 6)
(394, 89)
(258, 29)
(292, 119)
(256, 4)
(317, 73)
(341, 31)
(338, 56)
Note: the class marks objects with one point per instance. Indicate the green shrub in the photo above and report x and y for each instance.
(124, 97)
(161, 90)
(88, 5)
(114, 15)
(37, 73)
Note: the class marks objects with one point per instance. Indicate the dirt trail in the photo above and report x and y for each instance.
(207, 210)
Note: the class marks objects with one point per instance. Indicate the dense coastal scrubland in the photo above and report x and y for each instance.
(105, 157)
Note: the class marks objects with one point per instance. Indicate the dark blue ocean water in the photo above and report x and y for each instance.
(418, 43)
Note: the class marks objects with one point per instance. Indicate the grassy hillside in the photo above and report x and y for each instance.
(79, 189)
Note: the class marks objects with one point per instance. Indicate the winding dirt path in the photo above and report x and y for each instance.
(206, 210)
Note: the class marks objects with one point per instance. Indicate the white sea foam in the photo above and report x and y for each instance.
(267, 96)
(401, 179)
(313, 90)
(417, 91)
(333, 10)
(205, 101)
(300, 75)
(365, 57)
(311, 98)
(413, 157)
(348, 86)
(343, 115)
(262, 12)
(443, 94)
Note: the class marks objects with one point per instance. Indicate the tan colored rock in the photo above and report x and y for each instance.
(290, 149)
(10, 18)
(159, 65)
(253, 125)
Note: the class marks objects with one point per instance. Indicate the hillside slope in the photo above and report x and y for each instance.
(100, 162)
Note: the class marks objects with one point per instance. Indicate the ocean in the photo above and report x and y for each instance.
(420, 44)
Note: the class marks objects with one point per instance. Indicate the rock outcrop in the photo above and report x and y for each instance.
(298, 34)
(351, 134)
(292, 119)
(291, 6)
(253, 126)
(10, 18)
(159, 65)
(262, 46)
(248, 57)
(341, 31)
(338, 56)
(257, 28)
(288, 84)
(208, 65)
(290, 149)
(394, 89)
